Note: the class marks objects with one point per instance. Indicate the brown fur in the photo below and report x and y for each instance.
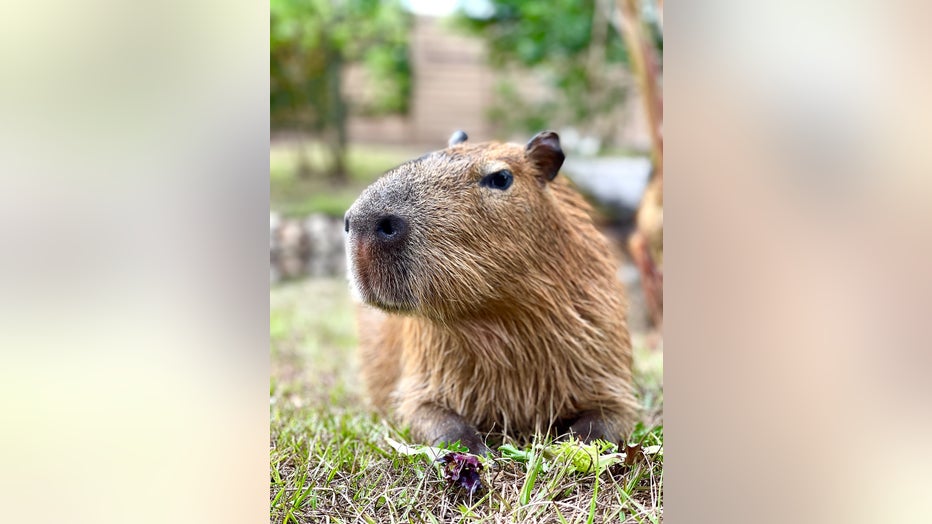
(501, 311)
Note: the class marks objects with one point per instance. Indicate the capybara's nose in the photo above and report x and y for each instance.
(390, 229)
(384, 229)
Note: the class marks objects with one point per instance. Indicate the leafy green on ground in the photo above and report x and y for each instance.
(294, 193)
(332, 460)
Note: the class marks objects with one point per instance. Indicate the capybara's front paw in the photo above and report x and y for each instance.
(468, 437)
(436, 425)
(592, 425)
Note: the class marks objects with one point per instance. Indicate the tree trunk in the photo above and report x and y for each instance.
(304, 163)
(646, 243)
(336, 121)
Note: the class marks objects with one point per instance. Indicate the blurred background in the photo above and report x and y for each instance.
(360, 86)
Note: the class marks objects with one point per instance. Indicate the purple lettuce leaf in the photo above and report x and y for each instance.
(462, 469)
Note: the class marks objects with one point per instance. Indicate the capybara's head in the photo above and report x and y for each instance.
(458, 230)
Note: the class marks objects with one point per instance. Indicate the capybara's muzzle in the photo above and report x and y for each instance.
(382, 231)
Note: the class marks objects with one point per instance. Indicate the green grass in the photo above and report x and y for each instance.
(294, 195)
(330, 461)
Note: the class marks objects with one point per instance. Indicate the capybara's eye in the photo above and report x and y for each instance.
(498, 180)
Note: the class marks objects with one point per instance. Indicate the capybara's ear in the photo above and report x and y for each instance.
(545, 154)
(458, 137)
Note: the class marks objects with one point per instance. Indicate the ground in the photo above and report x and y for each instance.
(331, 462)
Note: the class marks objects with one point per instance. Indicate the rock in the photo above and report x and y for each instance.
(290, 266)
(615, 184)
(274, 223)
(311, 247)
(325, 234)
(292, 238)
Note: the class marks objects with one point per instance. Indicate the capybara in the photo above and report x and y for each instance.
(491, 300)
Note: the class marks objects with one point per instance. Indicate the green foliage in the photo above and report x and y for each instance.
(313, 42)
(542, 33)
(586, 458)
(568, 45)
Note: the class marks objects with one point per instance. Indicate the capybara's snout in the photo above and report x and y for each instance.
(378, 248)
(381, 230)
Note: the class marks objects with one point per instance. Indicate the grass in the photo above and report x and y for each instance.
(294, 195)
(330, 461)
